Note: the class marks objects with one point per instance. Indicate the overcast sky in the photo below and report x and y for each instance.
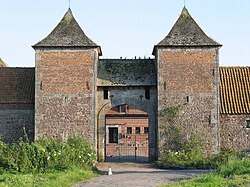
(124, 28)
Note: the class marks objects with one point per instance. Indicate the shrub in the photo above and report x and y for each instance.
(46, 154)
(222, 157)
(235, 167)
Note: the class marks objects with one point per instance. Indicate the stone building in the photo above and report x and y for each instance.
(116, 103)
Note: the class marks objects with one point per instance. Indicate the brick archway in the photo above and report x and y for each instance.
(145, 105)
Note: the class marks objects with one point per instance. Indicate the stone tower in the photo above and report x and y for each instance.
(188, 77)
(65, 86)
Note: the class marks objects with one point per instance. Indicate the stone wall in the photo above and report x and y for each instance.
(188, 78)
(16, 121)
(234, 134)
(65, 93)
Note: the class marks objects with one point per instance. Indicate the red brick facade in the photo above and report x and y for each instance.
(65, 93)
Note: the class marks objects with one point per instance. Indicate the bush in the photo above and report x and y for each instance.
(189, 153)
(222, 158)
(235, 167)
(45, 155)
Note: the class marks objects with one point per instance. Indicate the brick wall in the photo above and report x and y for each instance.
(16, 121)
(65, 93)
(234, 134)
(188, 77)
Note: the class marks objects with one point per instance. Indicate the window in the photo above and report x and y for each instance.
(105, 94)
(187, 99)
(165, 86)
(209, 119)
(248, 124)
(123, 109)
(145, 130)
(129, 130)
(113, 135)
(147, 93)
(137, 130)
(41, 85)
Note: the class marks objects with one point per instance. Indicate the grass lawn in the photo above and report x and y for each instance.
(214, 180)
(233, 174)
(54, 179)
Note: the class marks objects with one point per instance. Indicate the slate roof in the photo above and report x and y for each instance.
(126, 72)
(17, 85)
(186, 32)
(2, 64)
(67, 33)
(235, 90)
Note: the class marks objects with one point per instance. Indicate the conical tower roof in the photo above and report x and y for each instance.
(67, 33)
(186, 32)
(2, 64)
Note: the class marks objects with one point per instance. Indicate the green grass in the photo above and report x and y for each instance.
(53, 179)
(233, 174)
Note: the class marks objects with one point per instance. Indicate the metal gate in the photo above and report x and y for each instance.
(129, 148)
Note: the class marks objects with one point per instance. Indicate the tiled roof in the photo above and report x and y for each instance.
(186, 32)
(126, 72)
(2, 64)
(67, 33)
(17, 85)
(235, 90)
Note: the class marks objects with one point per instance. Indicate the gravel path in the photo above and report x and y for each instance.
(138, 175)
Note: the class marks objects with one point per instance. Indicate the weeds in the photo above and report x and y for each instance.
(46, 155)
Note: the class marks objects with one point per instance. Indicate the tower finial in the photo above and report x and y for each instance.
(184, 3)
(69, 3)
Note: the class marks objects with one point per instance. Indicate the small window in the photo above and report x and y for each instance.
(145, 130)
(147, 94)
(41, 85)
(87, 85)
(105, 94)
(123, 109)
(209, 119)
(129, 130)
(113, 135)
(248, 124)
(187, 99)
(165, 86)
(137, 130)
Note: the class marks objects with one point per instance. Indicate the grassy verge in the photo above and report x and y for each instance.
(234, 173)
(51, 179)
(46, 162)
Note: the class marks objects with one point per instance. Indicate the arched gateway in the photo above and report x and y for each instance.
(126, 83)
(134, 142)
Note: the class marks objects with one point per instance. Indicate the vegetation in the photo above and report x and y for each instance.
(176, 147)
(232, 169)
(46, 162)
(235, 173)
(48, 179)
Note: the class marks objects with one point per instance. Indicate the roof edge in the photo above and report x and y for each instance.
(183, 46)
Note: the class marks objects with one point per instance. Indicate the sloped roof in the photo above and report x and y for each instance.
(67, 33)
(126, 72)
(235, 90)
(2, 64)
(17, 85)
(186, 32)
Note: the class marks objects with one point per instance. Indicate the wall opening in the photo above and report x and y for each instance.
(127, 135)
